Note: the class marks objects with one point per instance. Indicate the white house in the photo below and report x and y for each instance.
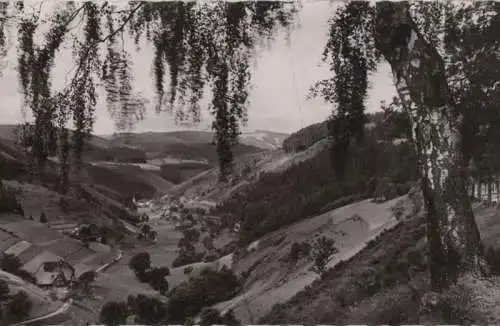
(50, 270)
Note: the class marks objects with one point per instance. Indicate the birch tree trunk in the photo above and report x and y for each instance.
(490, 198)
(419, 76)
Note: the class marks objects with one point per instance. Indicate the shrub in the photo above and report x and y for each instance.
(18, 308)
(148, 310)
(398, 210)
(492, 257)
(299, 249)
(4, 290)
(295, 251)
(113, 313)
(43, 218)
(156, 278)
(140, 263)
(10, 264)
(211, 316)
(186, 258)
(86, 278)
(208, 288)
(321, 251)
(8, 201)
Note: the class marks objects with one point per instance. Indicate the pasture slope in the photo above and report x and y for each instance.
(247, 170)
(274, 279)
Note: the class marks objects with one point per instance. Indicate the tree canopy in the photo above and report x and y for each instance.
(197, 45)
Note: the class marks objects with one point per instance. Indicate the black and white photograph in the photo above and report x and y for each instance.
(211, 162)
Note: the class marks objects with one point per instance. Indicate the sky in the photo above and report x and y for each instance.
(281, 78)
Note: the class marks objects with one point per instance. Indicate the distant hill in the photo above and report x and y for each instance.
(261, 139)
(306, 137)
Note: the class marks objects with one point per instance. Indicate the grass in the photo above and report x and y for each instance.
(373, 286)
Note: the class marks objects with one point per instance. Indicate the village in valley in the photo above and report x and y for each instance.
(249, 163)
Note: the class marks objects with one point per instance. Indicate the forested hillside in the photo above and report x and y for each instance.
(379, 166)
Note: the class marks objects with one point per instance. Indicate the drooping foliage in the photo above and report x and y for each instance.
(197, 46)
(351, 55)
(427, 48)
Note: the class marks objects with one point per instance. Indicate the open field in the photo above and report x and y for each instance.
(42, 305)
(273, 279)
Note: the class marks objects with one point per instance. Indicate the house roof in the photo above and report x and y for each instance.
(34, 264)
(47, 278)
(18, 248)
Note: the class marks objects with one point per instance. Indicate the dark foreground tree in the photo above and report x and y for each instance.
(360, 35)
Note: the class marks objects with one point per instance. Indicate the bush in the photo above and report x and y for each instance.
(10, 264)
(211, 316)
(206, 289)
(18, 308)
(113, 313)
(298, 250)
(4, 290)
(398, 210)
(8, 201)
(140, 263)
(295, 251)
(321, 251)
(156, 278)
(186, 258)
(148, 310)
(492, 257)
(86, 278)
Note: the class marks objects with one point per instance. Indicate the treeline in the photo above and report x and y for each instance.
(304, 190)
(202, 151)
(306, 137)
(114, 154)
(178, 172)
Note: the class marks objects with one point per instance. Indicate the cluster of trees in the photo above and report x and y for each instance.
(206, 289)
(155, 276)
(306, 137)
(279, 199)
(8, 201)
(187, 250)
(147, 233)
(146, 310)
(11, 264)
(115, 154)
(14, 308)
(177, 173)
(320, 251)
(185, 301)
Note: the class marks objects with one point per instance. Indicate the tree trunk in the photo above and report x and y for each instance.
(490, 199)
(419, 76)
(63, 147)
(497, 189)
(473, 189)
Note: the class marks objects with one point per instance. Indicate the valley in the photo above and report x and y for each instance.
(264, 225)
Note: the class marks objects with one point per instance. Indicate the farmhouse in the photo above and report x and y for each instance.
(50, 270)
